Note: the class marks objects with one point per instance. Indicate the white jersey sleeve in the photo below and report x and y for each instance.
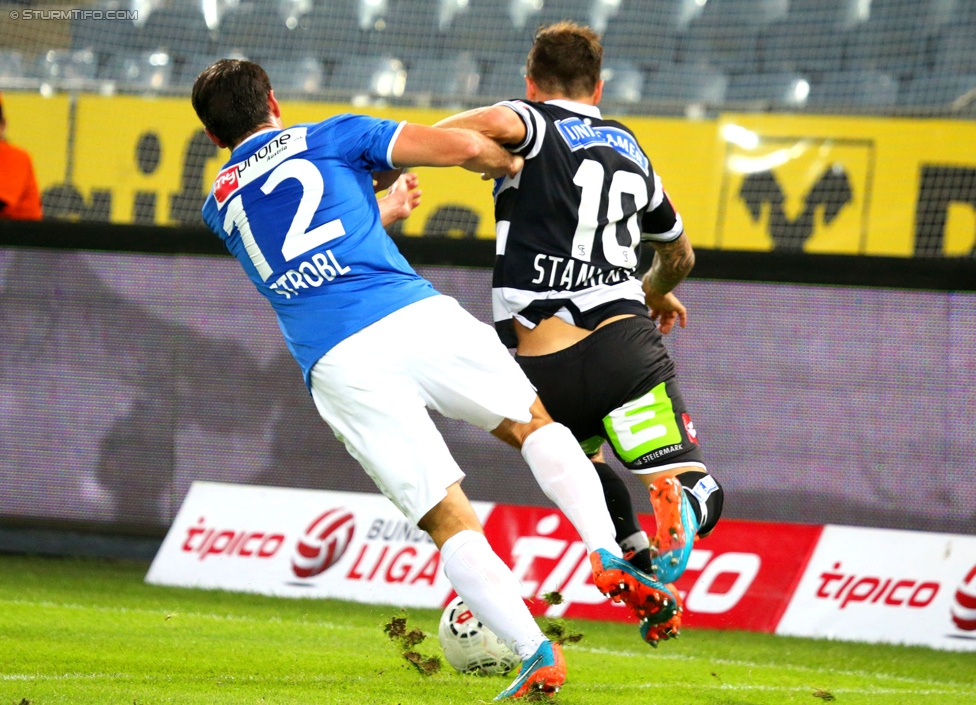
(535, 128)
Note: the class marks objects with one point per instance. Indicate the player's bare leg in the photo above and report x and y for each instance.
(567, 477)
(493, 593)
(490, 589)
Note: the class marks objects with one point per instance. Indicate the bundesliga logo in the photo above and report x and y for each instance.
(324, 543)
(964, 610)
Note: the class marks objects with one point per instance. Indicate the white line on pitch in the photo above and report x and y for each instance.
(785, 666)
(771, 688)
(163, 612)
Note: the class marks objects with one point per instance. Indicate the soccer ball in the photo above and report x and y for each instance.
(469, 645)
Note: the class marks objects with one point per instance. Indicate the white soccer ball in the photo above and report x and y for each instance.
(470, 646)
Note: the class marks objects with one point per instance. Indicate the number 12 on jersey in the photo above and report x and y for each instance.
(299, 239)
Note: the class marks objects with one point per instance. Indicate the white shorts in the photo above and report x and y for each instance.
(375, 386)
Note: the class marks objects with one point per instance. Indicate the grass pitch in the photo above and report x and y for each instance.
(88, 631)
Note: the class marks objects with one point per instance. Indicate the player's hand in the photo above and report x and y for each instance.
(666, 310)
(510, 169)
(402, 197)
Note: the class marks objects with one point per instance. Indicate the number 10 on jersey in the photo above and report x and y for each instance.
(590, 177)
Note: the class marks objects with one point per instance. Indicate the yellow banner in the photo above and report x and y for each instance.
(40, 125)
(742, 182)
(847, 185)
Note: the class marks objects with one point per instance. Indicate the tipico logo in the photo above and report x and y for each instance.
(964, 608)
(324, 543)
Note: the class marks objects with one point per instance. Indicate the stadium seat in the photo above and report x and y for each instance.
(784, 89)
(726, 34)
(644, 35)
(457, 76)
(186, 71)
(334, 31)
(896, 36)
(602, 11)
(884, 44)
(623, 82)
(486, 30)
(525, 13)
(118, 37)
(684, 84)
(146, 72)
(180, 31)
(937, 89)
(503, 81)
(832, 14)
(854, 89)
(382, 77)
(410, 28)
(67, 65)
(11, 65)
(806, 40)
(955, 49)
(289, 76)
(579, 11)
(259, 31)
(962, 14)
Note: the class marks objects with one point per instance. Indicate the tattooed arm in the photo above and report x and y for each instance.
(672, 263)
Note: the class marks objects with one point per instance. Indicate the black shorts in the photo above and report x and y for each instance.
(618, 385)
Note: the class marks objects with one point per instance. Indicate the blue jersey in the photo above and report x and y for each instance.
(297, 208)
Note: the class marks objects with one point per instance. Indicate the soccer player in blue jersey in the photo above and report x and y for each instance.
(378, 345)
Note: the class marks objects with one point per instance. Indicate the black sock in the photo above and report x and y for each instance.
(618, 501)
(706, 497)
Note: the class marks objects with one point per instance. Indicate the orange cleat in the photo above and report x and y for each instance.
(646, 597)
(652, 633)
(676, 528)
(543, 672)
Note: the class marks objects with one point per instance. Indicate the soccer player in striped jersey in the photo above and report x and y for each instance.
(378, 345)
(566, 293)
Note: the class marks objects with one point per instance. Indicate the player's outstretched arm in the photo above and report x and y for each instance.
(672, 263)
(420, 145)
(382, 180)
(402, 197)
(496, 122)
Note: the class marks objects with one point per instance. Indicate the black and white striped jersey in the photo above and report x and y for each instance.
(569, 226)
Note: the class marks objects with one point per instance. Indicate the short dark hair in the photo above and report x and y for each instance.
(231, 99)
(565, 59)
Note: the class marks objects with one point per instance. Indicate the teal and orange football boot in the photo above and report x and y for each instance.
(677, 526)
(647, 597)
(653, 632)
(543, 672)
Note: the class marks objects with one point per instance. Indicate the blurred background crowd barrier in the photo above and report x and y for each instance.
(662, 55)
(838, 126)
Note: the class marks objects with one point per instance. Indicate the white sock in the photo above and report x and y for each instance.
(490, 589)
(567, 477)
(635, 542)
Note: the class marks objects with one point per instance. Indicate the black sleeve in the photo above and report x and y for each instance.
(661, 222)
